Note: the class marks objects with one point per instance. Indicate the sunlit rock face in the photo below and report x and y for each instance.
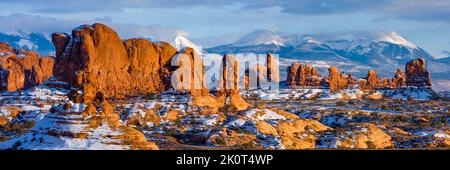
(417, 74)
(96, 55)
(22, 69)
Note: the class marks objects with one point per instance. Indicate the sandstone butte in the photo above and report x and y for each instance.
(21, 69)
(417, 75)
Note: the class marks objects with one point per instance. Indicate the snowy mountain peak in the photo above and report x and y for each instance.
(394, 38)
(37, 42)
(260, 37)
(182, 42)
(311, 40)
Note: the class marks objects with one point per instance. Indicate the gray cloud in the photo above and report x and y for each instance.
(47, 25)
(103, 19)
(57, 6)
(30, 23)
(430, 10)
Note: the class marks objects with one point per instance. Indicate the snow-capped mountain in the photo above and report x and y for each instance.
(261, 41)
(369, 49)
(444, 60)
(181, 42)
(354, 52)
(37, 42)
(375, 49)
(259, 37)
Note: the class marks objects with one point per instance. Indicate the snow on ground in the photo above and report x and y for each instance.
(248, 123)
(409, 93)
(345, 94)
(39, 136)
(40, 92)
(444, 94)
(4, 112)
(432, 133)
(266, 115)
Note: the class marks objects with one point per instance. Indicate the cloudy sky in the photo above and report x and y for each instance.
(425, 23)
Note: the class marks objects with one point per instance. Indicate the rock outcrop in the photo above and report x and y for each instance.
(337, 81)
(303, 76)
(22, 69)
(417, 74)
(96, 55)
(229, 83)
(399, 79)
(372, 79)
(273, 74)
(94, 59)
(373, 137)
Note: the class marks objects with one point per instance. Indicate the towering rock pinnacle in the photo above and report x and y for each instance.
(302, 76)
(372, 79)
(229, 83)
(399, 79)
(335, 80)
(417, 74)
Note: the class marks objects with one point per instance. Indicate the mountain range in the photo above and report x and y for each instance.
(353, 52)
(37, 42)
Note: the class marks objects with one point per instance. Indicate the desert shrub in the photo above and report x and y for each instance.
(249, 146)
(3, 138)
(198, 139)
(351, 102)
(341, 103)
(370, 145)
(238, 130)
(220, 141)
(228, 110)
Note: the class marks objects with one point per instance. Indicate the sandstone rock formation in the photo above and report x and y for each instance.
(263, 76)
(273, 74)
(96, 55)
(372, 79)
(289, 132)
(189, 76)
(374, 82)
(22, 69)
(5, 48)
(417, 74)
(302, 76)
(399, 79)
(337, 81)
(305, 76)
(96, 60)
(373, 137)
(229, 83)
